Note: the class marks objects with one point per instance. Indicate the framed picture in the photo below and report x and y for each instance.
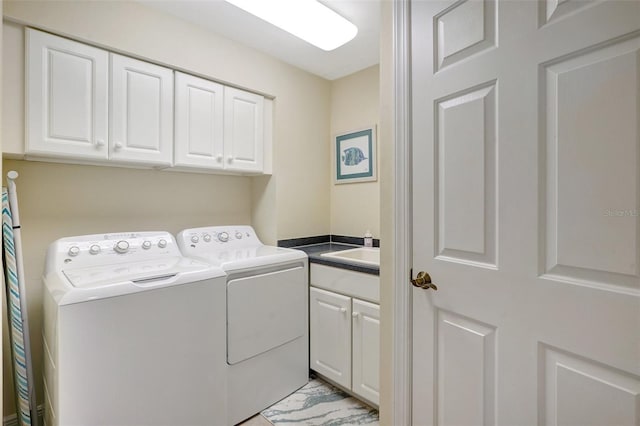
(356, 156)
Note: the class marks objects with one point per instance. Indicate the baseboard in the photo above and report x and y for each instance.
(12, 420)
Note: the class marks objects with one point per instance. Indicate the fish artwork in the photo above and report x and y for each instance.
(353, 156)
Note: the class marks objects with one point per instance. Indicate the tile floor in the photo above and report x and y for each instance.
(316, 404)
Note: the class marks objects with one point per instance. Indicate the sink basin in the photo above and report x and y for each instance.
(364, 255)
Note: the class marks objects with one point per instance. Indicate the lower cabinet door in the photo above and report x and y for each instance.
(366, 350)
(330, 335)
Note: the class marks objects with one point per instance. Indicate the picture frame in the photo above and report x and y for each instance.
(355, 156)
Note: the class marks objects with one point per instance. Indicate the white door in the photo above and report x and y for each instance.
(67, 102)
(366, 350)
(199, 122)
(526, 182)
(243, 130)
(330, 335)
(141, 128)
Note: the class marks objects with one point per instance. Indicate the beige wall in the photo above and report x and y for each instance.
(355, 105)
(62, 200)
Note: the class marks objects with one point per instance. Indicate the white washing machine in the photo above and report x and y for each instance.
(267, 314)
(134, 333)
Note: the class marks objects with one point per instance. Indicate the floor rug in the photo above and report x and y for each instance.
(319, 403)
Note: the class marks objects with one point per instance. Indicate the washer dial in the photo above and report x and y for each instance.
(73, 251)
(223, 237)
(121, 246)
(94, 249)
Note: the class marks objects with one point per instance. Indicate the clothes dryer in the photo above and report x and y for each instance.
(267, 314)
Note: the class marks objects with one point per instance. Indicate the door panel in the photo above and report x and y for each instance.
(578, 383)
(141, 112)
(466, 139)
(540, 325)
(464, 29)
(592, 102)
(466, 362)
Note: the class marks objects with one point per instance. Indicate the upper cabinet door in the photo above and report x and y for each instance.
(66, 98)
(141, 112)
(199, 123)
(243, 130)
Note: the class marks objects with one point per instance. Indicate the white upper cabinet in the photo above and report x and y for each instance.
(66, 100)
(243, 130)
(141, 124)
(199, 123)
(87, 105)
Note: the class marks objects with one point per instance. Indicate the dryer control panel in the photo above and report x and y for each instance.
(113, 248)
(219, 237)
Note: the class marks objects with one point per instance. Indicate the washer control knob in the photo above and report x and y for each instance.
(146, 245)
(94, 249)
(162, 243)
(121, 246)
(74, 251)
(206, 238)
(195, 239)
(223, 237)
(239, 235)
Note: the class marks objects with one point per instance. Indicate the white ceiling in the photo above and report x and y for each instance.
(231, 22)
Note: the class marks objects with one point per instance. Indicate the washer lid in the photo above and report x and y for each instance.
(250, 257)
(143, 273)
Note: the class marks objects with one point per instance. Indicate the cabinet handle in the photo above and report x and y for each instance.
(219, 158)
(99, 143)
(355, 314)
(343, 310)
(118, 146)
(229, 159)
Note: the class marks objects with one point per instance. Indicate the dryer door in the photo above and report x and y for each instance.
(265, 311)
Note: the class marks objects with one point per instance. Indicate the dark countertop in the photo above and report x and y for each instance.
(314, 252)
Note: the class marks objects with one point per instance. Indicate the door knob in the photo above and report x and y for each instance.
(423, 280)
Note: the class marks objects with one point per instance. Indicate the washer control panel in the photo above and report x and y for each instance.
(98, 249)
(217, 238)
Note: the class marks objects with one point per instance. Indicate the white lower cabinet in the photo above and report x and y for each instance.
(345, 341)
(366, 350)
(330, 335)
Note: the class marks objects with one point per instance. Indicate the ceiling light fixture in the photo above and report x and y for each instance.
(309, 20)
